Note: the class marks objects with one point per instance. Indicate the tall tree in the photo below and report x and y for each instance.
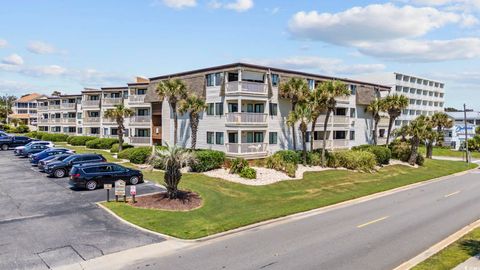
(119, 113)
(317, 103)
(330, 90)
(417, 131)
(394, 104)
(375, 108)
(174, 90)
(302, 114)
(441, 120)
(295, 89)
(193, 105)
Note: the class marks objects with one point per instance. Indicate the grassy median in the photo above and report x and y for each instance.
(454, 254)
(84, 150)
(229, 205)
(443, 152)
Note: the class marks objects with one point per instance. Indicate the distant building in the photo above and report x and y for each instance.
(25, 109)
(455, 136)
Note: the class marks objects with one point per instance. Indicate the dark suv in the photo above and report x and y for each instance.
(44, 162)
(11, 142)
(61, 168)
(91, 176)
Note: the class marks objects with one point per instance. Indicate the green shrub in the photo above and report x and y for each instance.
(420, 160)
(354, 160)
(54, 137)
(291, 169)
(206, 160)
(237, 165)
(114, 148)
(400, 151)
(80, 140)
(39, 135)
(283, 161)
(137, 155)
(101, 143)
(32, 134)
(290, 156)
(248, 173)
(125, 153)
(382, 153)
(22, 129)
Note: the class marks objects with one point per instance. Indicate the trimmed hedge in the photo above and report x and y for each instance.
(114, 148)
(101, 143)
(80, 140)
(382, 153)
(137, 155)
(353, 160)
(207, 160)
(54, 137)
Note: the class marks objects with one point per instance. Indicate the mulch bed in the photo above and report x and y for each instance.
(186, 201)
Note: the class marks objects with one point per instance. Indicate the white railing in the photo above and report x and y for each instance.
(331, 144)
(246, 148)
(246, 118)
(93, 134)
(140, 120)
(343, 98)
(340, 143)
(91, 103)
(383, 122)
(68, 105)
(381, 141)
(111, 101)
(341, 119)
(91, 120)
(136, 99)
(68, 120)
(55, 120)
(42, 108)
(43, 121)
(109, 121)
(140, 140)
(246, 87)
(54, 107)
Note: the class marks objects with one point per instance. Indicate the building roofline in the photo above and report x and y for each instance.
(135, 84)
(240, 64)
(418, 77)
(114, 88)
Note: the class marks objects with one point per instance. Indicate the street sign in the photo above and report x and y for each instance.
(107, 186)
(133, 190)
(120, 188)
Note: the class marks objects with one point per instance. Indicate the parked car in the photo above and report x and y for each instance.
(35, 158)
(19, 149)
(92, 176)
(13, 141)
(44, 162)
(61, 169)
(33, 149)
(3, 134)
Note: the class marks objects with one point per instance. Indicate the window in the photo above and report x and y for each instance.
(398, 77)
(210, 79)
(381, 133)
(210, 108)
(398, 122)
(210, 137)
(218, 137)
(232, 77)
(341, 111)
(219, 108)
(352, 112)
(114, 131)
(232, 107)
(143, 133)
(311, 84)
(273, 108)
(398, 88)
(218, 78)
(141, 91)
(412, 90)
(259, 108)
(352, 135)
(339, 135)
(80, 130)
(233, 137)
(272, 138)
(143, 112)
(275, 79)
(353, 89)
(95, 130)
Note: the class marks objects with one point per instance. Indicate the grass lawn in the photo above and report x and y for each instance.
(454, 254)
(229, 205)
(442, 152)
(83, 150)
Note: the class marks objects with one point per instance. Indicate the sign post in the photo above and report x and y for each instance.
(120, 190)
(107, 187)
(133, 192)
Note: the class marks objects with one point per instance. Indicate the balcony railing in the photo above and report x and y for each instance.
(246, 118)
(42, 108)
(68, 105)
(111, 101)
(136, 99)
(246, 148)
(341, 119)
(68, 120)
(108, 121)
(55, 120)
(246, 88)
(91, 103)
(140, 120)
(54, 107)
(331, 144)
(91, 120)
(140, 140)
(43, 121)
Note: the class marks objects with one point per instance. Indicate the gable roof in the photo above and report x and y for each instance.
(29, 97)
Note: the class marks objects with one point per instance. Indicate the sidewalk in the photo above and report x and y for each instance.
(471, 264)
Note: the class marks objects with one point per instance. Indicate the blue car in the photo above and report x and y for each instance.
(35, 158)
(44, 162)
(33, 149)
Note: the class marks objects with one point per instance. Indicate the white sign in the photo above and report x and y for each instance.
(133, 190)
(120, 188)
(107, 186)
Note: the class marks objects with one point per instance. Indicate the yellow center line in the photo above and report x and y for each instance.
(451, 194)
(373, 221)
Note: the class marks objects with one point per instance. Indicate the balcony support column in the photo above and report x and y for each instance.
(239, 141)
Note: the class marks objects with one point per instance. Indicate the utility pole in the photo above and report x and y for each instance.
(467, 154)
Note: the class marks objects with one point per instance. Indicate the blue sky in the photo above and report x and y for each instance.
(68, 45)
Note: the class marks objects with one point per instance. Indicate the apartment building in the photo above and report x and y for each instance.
(425, 96)
(59, 114)
(25, 109)
(455, 136)
(246, 116)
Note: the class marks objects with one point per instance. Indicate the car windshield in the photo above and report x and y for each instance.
(70, 158)
(61, 157)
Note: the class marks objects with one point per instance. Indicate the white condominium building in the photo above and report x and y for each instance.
(24, 110)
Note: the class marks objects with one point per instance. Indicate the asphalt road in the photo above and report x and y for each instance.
(377, 234)
(45, 224)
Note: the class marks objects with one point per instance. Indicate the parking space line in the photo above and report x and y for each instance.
(373, 221)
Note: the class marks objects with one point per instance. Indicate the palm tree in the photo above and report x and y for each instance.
(330, 90)
(394, 104)
(174, 90)
(173, 158)
(317, 103)
(193, 105)
(302, 113)
(417, 130)
(119, 113)
(295, 89)
(15, 121)
(441, 120)
(375, 108)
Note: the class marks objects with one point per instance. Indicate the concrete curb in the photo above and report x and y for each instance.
(438, 247)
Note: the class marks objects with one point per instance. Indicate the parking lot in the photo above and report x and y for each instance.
(45, 224)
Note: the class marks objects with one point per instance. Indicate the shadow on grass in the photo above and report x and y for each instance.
(472, 247)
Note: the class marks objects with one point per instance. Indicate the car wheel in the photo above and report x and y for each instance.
(134, 180)
(59, 173)
(91, 185)
(4, 147)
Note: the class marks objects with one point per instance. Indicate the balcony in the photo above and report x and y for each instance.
(42, 108)
(140, 120)
(246, 149)
(43, 121)
(68, 120)
(383, 122)
(140, 140)
(109, 121)
(336, 120)
(91, 120)
(249, 88)
(331, 144)
(91, 103)
(246, 119)
(111, 101)
(55, 120)
(68, 106)
(54, 107)
(381, 141)
(136, 99)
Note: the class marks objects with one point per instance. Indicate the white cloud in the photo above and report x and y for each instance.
(93, 77)
(237, 5)
(179, 4)
(372, 23)
(330, 66)
(51, 70)
(13, 59)
(39, 47)
(14, 87)
(424, 51)
(3, 43)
